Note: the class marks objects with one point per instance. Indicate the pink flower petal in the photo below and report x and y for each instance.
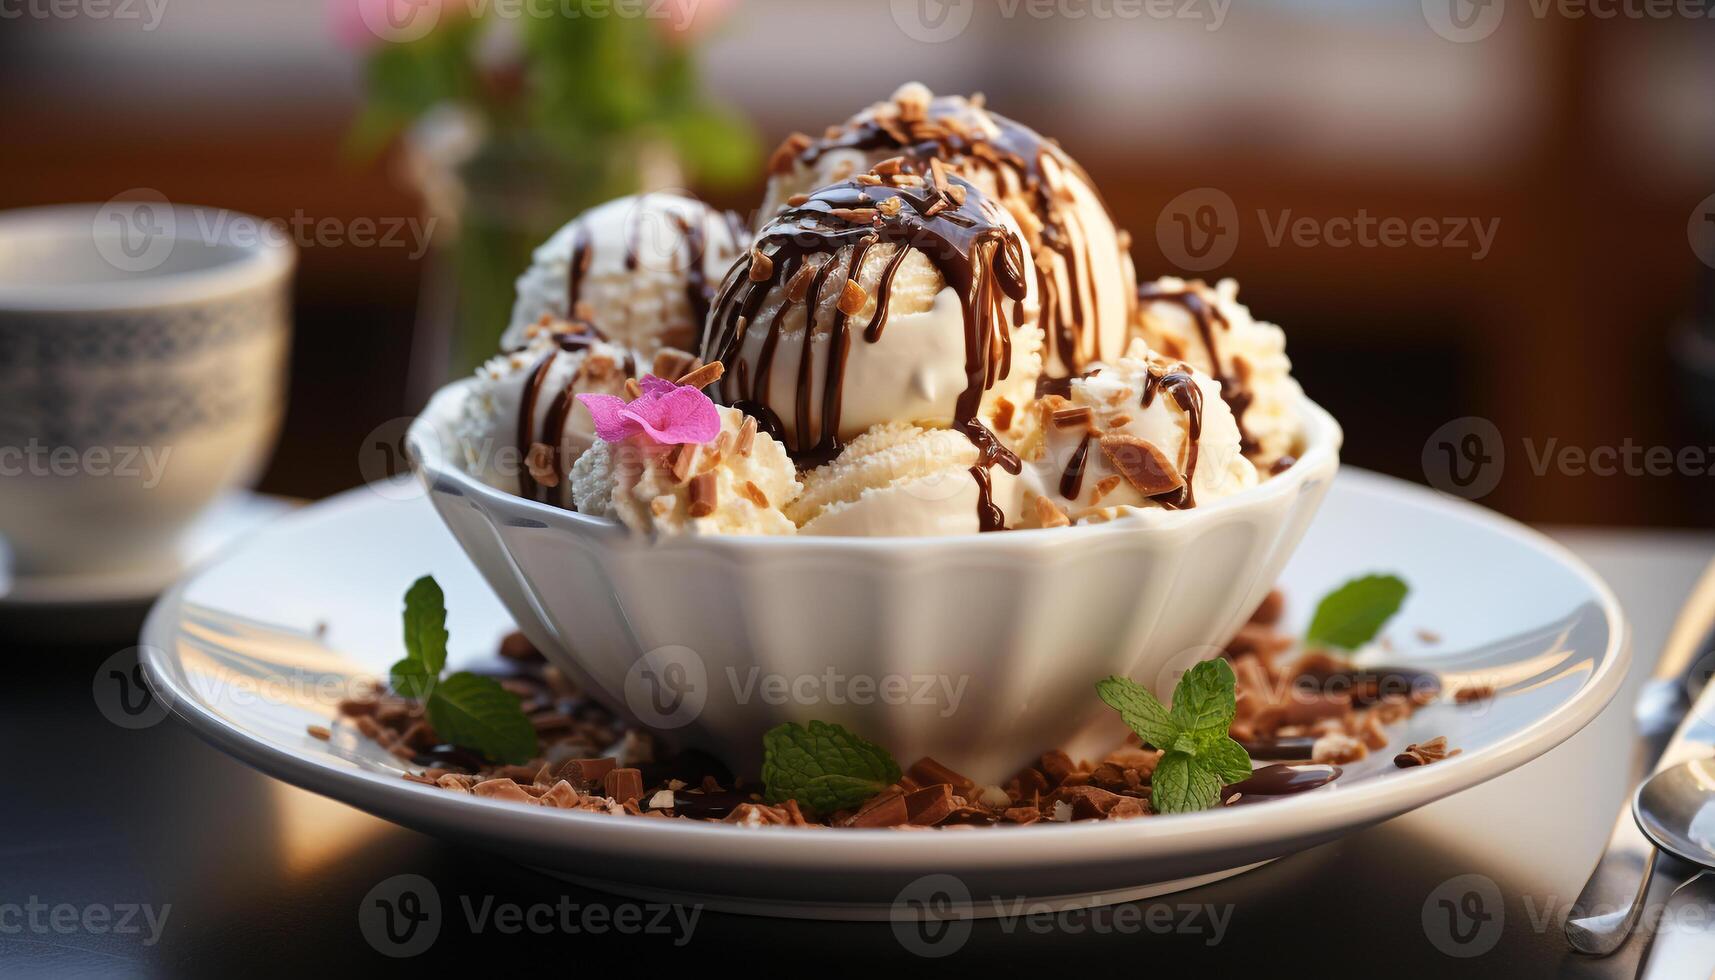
(666, 413)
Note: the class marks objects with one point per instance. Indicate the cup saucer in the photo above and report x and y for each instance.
(83, 605)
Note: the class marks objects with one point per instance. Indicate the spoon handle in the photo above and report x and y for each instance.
(1608, 907)
(1685, 938)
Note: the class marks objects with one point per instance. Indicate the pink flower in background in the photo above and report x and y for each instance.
(686, 21)
(362, 24)
(666, 413)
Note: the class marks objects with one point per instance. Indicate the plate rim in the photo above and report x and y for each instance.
(1187, 834)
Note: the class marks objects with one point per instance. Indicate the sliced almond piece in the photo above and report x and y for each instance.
(1142, 464)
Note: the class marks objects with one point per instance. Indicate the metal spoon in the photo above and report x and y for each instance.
(1675, 808)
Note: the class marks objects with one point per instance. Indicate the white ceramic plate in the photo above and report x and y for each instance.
(238, 652)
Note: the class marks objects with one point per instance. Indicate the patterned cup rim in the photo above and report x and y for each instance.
(228, 253)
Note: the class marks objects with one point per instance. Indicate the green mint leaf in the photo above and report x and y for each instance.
(1181, 785)
(824, 767)
(475, 712)
(410, 679)
(1352, 615)
(1141, 709)
(1226, 759)
(426, 625)
(1204, 701)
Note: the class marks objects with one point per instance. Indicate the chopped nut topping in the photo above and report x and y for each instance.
(798, 200)
(938, 171)
(1474, 693)
(1423, 754)
(891, 165)
(754, 494)
(746, 436)
(785, 156)
(1003, 410)
(540, 462)
(1049, 515)
(799, 285)
(890, 207)
(319, 731)
(702, 495)
(1104, 486)
(761, 266)
(632, 390)
(704, 375)
(1119, 421)
(857, 216)
(681, 461)
(852, 298)
(1143, 466)
(670, 363)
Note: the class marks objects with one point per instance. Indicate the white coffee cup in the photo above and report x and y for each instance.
(143, 356)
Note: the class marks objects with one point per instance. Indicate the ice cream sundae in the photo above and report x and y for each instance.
(935, 328)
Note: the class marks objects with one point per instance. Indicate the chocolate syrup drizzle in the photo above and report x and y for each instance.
(974, 252)
(1018, 151)
(1210, 321)
(558, 417)
(693, 237)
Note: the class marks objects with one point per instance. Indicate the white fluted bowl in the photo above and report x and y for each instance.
(981, 651)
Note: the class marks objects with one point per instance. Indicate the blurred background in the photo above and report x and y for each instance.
(1557, 167)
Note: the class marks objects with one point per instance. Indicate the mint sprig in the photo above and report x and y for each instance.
(467, 710)
(824, 767)
(1199, 757)
(1352, 615)
(476, 712)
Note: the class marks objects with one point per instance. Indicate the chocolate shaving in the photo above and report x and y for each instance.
(703, 495)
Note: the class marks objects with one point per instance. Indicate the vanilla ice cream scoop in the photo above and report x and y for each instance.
(1214, 333)
(737, 484)
(640, 270)
(521, 428)
(1083, 265)
(1143, 431)
(900, 479)
(891, 297)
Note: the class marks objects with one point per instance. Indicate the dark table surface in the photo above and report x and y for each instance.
(146, 852)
